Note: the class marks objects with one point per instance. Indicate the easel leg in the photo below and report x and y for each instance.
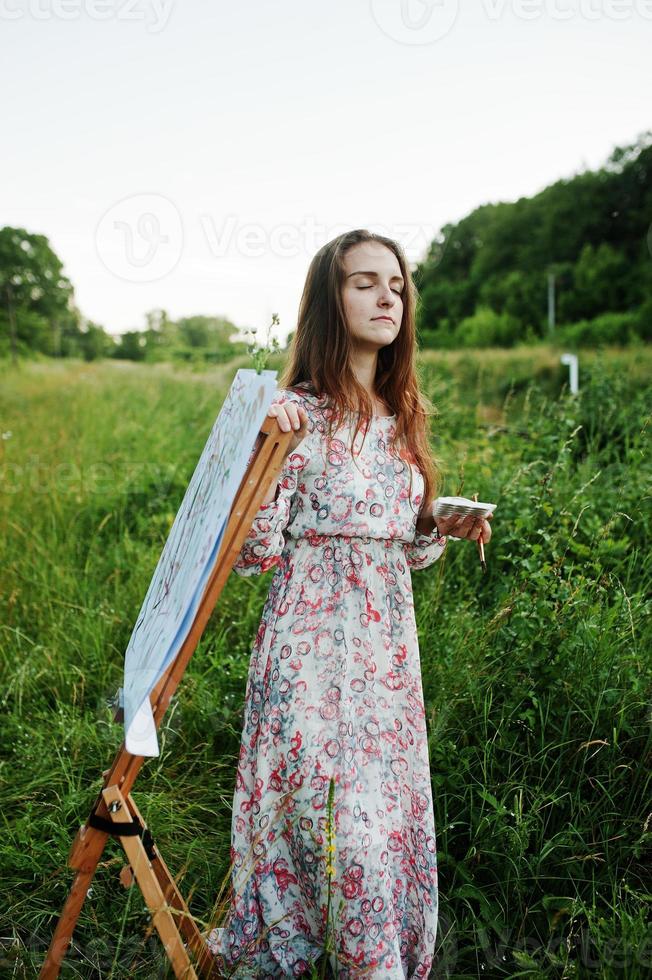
(66, 925)
(162, 915)
(185, 922)
(84, 855)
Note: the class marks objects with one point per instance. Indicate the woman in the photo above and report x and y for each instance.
(334, 690)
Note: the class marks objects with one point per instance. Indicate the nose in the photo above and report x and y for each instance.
(387, 297)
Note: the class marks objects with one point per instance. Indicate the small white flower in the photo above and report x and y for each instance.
(7, 434)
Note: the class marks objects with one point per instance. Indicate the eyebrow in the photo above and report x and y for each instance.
(375, 274)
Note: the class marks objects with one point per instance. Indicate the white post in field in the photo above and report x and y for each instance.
(571, 360)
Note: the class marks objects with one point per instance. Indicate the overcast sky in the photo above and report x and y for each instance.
(194, 155)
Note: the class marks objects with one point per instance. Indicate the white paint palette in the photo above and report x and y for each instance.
(461, 507)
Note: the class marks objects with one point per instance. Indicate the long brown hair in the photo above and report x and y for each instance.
(319, 356)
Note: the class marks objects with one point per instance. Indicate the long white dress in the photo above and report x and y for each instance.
(334, 691)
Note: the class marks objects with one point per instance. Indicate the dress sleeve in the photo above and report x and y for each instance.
(425, 549)
(265, 541)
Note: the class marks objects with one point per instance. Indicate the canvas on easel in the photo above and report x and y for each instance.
(216, 514)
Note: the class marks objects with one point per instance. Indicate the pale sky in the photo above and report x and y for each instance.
(195, 155)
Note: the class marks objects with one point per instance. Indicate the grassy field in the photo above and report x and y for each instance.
(537, 675)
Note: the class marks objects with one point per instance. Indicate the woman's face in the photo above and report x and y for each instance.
(371, 294)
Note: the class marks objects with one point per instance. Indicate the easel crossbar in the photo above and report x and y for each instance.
(133, 829)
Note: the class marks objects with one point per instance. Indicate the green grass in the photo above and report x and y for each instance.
(537, 675)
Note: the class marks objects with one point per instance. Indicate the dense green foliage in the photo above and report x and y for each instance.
(37, 312)
(537, 675)
(485, 279)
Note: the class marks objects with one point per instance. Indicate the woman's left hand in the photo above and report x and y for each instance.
(469, 527)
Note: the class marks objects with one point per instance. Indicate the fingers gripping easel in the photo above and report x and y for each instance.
(114, 812)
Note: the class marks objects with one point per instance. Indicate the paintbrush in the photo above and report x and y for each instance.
(480, 544)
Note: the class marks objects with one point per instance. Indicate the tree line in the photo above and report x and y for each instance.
(572, 263)
(38, 315)
(582, 246)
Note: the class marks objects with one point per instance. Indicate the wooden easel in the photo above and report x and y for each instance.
(114, 812)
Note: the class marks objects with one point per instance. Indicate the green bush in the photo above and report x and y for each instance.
(608, 328)
(644, 320)
(486, 328)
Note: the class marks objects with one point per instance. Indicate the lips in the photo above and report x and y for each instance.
(387, 319)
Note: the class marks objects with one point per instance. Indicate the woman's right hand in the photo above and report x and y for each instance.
(291, 416)
(468, 526)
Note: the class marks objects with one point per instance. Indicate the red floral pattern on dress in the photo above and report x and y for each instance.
(334, 690)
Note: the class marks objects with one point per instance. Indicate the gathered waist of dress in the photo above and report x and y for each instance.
(314, 538)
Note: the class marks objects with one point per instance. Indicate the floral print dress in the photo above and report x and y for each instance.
(334, 691)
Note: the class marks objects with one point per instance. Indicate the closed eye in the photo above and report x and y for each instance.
(398, 292)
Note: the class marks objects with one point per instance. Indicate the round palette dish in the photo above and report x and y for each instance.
(461, 506)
